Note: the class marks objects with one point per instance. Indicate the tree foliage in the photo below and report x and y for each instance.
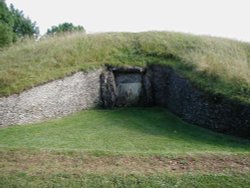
(6, 23)
(65, 27)
(6, 35)
(23, 26)
(14, 25)
(5, 14)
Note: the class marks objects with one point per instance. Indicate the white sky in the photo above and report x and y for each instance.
(225, 18)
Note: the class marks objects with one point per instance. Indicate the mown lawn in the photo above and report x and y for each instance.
(131, 130)
(127, 147)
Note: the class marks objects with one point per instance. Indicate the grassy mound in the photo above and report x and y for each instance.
(133, 147)
(216, 65)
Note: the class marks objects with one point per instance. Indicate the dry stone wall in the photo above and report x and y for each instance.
(159, 86)
(179, 96)
(55, 99)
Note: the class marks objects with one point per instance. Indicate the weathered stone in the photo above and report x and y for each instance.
(108, 89)
(128, 94)
(55, 99)
(125, 86)
(129, 88)
(127, 69)
(179, 96)
(146, 98)
(128, 78)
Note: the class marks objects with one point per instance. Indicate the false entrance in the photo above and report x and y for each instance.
(125, 86)
(129, 89)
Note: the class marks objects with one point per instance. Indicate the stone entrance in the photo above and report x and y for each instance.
(129, 89)
(125, 86)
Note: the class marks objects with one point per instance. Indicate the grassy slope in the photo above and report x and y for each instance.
(214, 64)
(121, 148)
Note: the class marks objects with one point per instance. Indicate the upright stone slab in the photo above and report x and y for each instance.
(108, 89)
(129, 88)
(125, 86)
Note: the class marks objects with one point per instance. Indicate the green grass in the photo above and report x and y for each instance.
(149, 131)
(216, 65)
(126, 147)
(155, 181)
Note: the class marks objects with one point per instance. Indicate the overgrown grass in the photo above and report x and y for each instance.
(132, 130)
(216, 65)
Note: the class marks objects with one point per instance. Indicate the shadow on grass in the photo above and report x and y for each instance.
(161, 123)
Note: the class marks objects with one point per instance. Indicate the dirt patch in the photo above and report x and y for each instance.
(79, 163)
